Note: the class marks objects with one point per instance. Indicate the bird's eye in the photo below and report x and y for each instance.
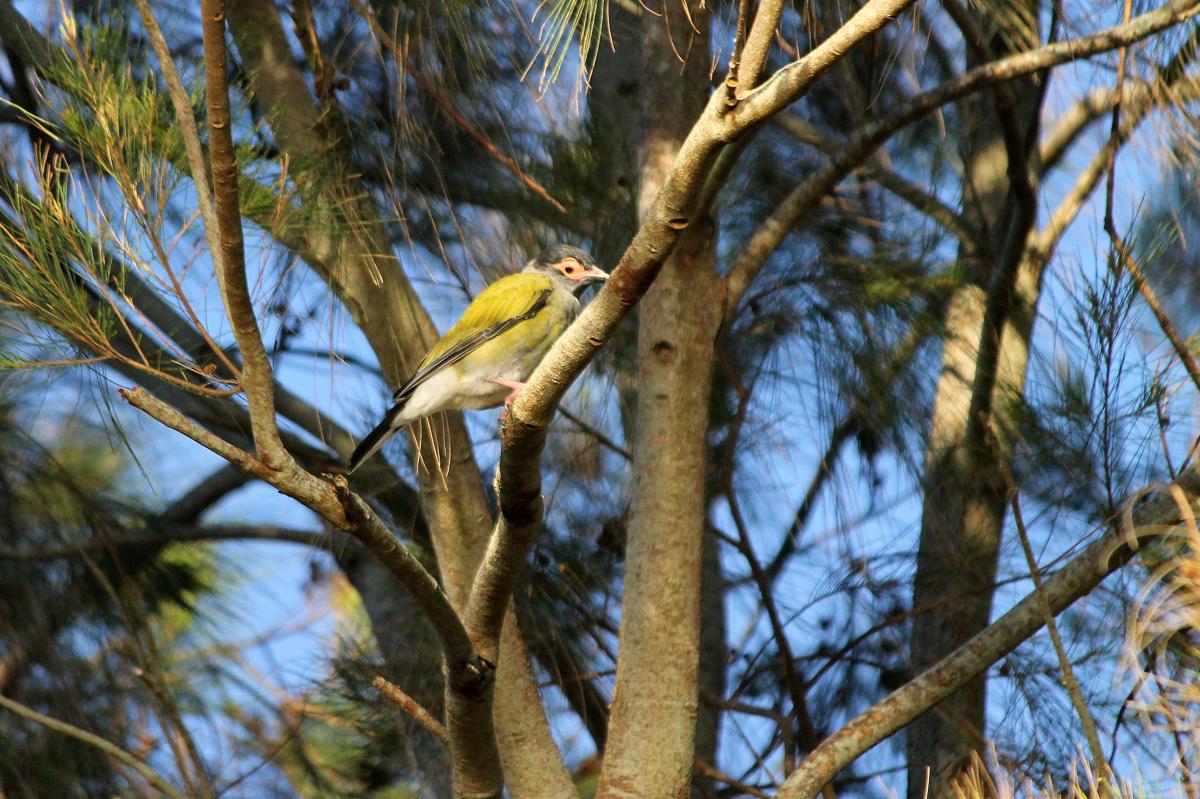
(568, 269)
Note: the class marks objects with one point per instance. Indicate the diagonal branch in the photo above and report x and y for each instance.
(348, 513)
(523, 438)
(870, 137)
(1152, 517)
(469, 677)
(107, 747)
(919, 197)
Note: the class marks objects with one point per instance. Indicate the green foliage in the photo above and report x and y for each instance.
(569, 26)
(74, 602)
(50, 271)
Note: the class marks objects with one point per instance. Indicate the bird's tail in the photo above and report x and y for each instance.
(376, 438)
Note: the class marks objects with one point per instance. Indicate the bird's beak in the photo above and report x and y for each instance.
(592, 276)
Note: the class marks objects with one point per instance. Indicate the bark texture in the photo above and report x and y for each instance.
(655, 706)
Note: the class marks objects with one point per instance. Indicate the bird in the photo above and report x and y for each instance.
(485, 358)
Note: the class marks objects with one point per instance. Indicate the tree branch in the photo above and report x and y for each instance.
(173, 533)
(871, 136)
(1153, 517)
(412, 707)
(257, 380)
(347, 512)
(792, 81)
(667, 217)
(918, 197)
(107, 747)
(758, 45)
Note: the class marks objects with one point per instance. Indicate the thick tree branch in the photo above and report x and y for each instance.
(1153, 517)
(523, 438)
(758, 45)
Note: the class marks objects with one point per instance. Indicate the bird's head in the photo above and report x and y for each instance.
(570, 267)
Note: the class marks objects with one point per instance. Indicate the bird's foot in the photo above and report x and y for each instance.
(514, 388)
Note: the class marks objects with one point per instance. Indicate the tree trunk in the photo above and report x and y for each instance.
(965, 488)
(654, 709)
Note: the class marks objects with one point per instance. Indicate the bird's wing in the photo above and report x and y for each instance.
(500, 307)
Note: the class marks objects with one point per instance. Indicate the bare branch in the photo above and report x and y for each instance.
(758, 45)
(344, 511)
(169, 534)
(187, 126)
(1153, 517)
(257, 380)
(107, 747)
(412, 707)
(871, 136)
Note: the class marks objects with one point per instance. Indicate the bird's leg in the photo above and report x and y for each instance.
(514, 388)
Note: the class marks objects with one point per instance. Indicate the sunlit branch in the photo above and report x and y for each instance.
(347, 512)
(412, 707)
(802, 199)
(257, 379)
(193, 149)
(758, 45)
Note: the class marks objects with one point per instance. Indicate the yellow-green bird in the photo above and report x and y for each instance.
(503, 335)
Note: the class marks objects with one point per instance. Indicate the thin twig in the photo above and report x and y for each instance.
(796, 687)
(185, 115)
(107, 747)
(413, 708)
(1070, 682)
(451, 111)
(711, 771)
(595, 433)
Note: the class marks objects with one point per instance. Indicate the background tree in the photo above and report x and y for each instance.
(250, 222)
